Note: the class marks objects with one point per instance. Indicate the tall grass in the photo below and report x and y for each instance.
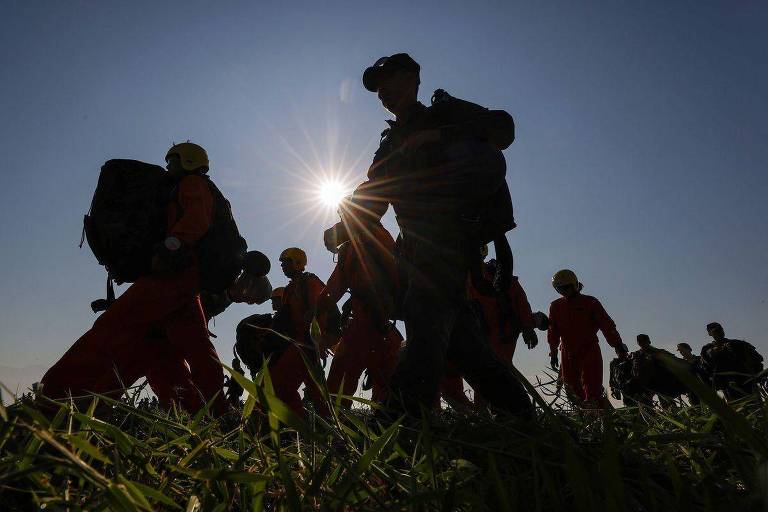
(131, 456)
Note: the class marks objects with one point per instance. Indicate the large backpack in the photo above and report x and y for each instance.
(221, 251)
(481, 170)
(253, 346)
(127, 217)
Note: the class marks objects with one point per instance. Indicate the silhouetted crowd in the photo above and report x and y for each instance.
(171, 233)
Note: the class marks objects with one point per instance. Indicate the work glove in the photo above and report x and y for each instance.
(530, 338)
(554, 363)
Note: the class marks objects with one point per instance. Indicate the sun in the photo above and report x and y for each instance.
(331, 192)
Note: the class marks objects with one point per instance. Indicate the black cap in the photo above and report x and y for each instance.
(643, 338)
(386, 65)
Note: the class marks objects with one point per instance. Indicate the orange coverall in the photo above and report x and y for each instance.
(500, 330)
(573, 325)
(117, 349)
(368, 342)
(288, 371)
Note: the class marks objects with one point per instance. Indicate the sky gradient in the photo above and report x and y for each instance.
(640, 158)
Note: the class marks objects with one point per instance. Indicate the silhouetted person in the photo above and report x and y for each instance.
(731, 364)
(696, 365)
(436, 165)
(574, 320)
(234, 390)
(650, 376)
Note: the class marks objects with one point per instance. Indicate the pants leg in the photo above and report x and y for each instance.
(164, 368)
(287, 373)
(482, 368)
(347, 365)
(592, 374)
(416, 380)
(505, 351)
(571, 371)
(452, 389)
(188, 334)
(90, 364)
(382, 362)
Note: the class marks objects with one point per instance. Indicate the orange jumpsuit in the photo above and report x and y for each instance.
(452, 386)
(370, 341)
(288, 371)
(117, 349)
(573, 325)
(500, 330)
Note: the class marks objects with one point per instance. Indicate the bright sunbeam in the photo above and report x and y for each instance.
(331, 192)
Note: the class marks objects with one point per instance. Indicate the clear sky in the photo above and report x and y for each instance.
(640, 158)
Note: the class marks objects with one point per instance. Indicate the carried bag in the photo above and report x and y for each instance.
(478, 168)
(221, 251)
(127, 217)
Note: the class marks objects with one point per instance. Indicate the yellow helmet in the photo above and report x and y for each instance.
(296, 255)
(278, 292)
(193, 157)
(564, 278)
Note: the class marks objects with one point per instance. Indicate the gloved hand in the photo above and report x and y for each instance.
(554, 363)
(530, 338)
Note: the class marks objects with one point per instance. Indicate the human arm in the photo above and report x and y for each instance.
(504, 263)
(522, 308)
(553, 337)
(608, 327)
(369, 202)
(196, 205)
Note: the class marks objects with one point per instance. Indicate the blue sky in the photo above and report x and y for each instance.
(640, 159)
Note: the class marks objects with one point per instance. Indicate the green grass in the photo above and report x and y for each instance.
(132, 456)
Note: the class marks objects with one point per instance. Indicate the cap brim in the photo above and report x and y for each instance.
(372, 78)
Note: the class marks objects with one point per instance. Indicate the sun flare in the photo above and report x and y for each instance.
(330, 193)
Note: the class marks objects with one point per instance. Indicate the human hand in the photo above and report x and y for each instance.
(530, 338)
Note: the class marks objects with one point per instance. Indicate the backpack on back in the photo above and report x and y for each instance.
(222, 249)
(127, 217)
(480, 168)
(127, 220)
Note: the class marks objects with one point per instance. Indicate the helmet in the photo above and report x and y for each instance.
(564, 278)
(296, 255)
(193, 157)
(278, 292)
(256, 263)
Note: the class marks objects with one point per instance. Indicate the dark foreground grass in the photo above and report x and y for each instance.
(134, 457)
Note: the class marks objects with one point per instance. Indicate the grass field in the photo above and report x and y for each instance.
(132, 456)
